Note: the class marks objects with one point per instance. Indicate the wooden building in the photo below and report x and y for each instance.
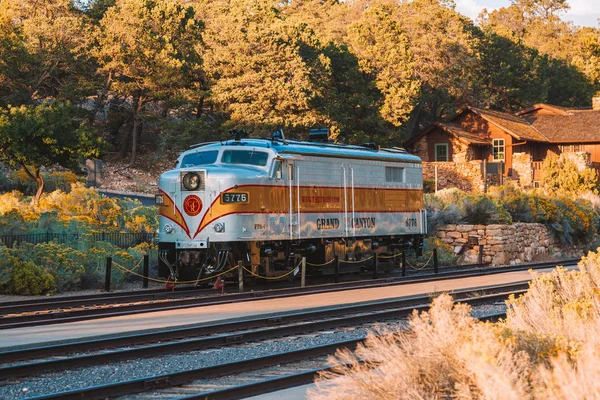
(520, 141)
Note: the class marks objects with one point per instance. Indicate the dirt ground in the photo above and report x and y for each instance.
(141, 178)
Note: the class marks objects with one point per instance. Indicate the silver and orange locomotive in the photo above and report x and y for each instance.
(269, 202)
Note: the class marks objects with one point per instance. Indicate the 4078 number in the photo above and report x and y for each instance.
(235, 197)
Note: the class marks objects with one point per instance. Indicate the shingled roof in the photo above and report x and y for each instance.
(512, 124)
(462, 134)
(454, 129)
(565, 125)
(556, 125)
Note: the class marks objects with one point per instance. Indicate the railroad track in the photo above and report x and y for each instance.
(211, 336)
(33, 313)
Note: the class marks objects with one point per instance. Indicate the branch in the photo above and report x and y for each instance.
(27, 171)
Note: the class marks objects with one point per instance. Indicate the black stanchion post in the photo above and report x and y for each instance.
(336, 269)
(303, 276)
(375, 265)
(145, 272)
(403, 264)
(107, 276)
(480, 259)
(435, 261)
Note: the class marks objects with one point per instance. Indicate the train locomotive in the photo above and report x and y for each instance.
(269, 202)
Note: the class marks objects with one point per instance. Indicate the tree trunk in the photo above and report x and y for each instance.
(40, 181)
(137, 108)
(100, 99)
(37, 177)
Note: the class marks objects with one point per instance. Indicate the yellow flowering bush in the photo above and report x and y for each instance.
(24, 278)
(79, 211)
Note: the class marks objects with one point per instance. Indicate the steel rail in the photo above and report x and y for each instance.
(363, 313)
(81, 315)
(49, 303)
(106, 298)
(184, 377)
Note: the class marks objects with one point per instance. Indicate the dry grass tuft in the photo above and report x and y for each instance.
(446, 354)
(548, 348)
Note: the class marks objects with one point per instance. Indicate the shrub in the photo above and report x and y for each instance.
(450, 195)
(446, 354)
(64, 263)
(24, 278)
(548, 348)
(429, 185)
(79, 211)
(18, 180)
(30, 279)
(446, 254)
(481, 210)
(562, 176)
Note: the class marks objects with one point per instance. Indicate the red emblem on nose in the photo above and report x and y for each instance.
(192, 205)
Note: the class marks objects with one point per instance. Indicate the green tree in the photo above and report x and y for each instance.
(50, 39)
(444, 47)
(265, 71)
(44, 135)
(569, 56)
(511, 75)
(383, 53)
(150, 50)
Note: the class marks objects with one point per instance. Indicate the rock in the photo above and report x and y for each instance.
(499, 259)
(470, 257)
(453, 235)
(464, 228)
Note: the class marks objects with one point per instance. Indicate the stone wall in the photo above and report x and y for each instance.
(465, 176)
(505, 244)
(522, 169)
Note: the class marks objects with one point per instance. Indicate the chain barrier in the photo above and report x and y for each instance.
(272, 278)
(388, 257)
(169, 281)
(320, 265)
(356, 262)
(420, 268)
(131, 271)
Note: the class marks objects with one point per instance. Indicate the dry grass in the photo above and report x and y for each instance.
(446, 354)
(548, 348)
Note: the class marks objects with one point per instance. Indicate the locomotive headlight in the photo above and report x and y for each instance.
(168, 228)
(219, 227)
(191, 181)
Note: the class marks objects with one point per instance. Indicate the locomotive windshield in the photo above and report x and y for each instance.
(199, 158)
(250, 157)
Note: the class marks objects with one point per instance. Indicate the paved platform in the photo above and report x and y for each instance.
(28, 336)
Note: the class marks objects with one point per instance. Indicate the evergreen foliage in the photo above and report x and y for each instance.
(369, 70)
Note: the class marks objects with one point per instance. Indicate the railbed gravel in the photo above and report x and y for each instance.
(138, 368)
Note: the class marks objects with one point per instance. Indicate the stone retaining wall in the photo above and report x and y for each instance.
(505, 244)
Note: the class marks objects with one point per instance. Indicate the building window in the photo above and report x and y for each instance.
(394, 174)
(498, 149)
(441, 152)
